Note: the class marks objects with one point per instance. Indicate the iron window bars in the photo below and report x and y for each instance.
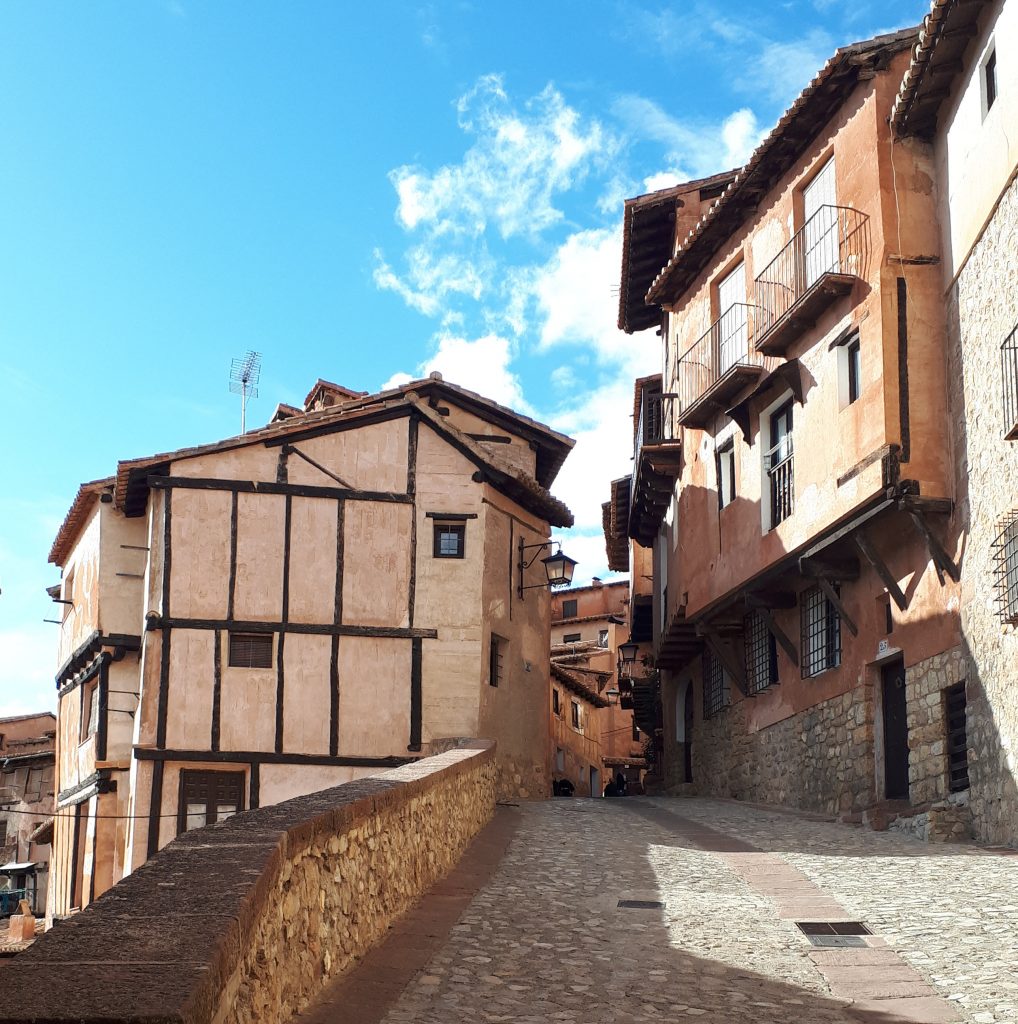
(250, 650)
(715, 692)
(761, 654)
(821, 633)
(1006, 567)
(450, 540)
(1009, 378)
(957, 738)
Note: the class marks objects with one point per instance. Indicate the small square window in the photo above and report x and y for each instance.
(450, 540)
(571, 638)
(602, 638)
(250, 650)
(725, 460)
(208, 797)
(569, 609)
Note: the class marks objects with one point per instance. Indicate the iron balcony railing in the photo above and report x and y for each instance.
(649, 429)
(832, 241)
(1009, 375)
(725, 346)
(780, 466)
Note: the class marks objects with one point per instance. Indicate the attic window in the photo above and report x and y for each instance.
(450, 540)
(250, 650)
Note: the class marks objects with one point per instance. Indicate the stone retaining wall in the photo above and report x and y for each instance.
(245, 921)
(818, 760)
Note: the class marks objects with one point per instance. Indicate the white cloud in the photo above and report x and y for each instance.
(783, 69)
(27, 668)
(480, 364)
(693, 148)
(509, 177)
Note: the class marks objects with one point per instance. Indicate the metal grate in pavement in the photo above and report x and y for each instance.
(838, 934)
(641, 904)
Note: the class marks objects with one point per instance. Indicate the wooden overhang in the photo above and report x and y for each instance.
(938, 56)
(657, 468)
(646, 698)
(648, 235)
(578, 686)
(615, 523)
(679, 643)
(787, 142)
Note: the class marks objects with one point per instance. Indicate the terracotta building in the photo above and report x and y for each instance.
(587, 626)
(575, 729)
(792, 465)
(297, 607)
(27, 744)
(957, 108)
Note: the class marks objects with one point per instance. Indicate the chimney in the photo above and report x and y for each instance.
(596, 582)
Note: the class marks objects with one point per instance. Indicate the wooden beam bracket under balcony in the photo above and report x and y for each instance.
(657, 469)
(679, 643)
(942, 561)
(733, 665)
(823, 261)
(719, 365)
(862, 542)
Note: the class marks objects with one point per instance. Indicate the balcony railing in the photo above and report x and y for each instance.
(649, 428)
(1009, 375)
(656, 461)
(779, 462)
(824, 259)
(719, 364)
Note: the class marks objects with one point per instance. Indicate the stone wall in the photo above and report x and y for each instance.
(982, 312)
(818, 760)
(246, 920)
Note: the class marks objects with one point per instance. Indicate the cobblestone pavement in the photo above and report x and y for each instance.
(949, 911)
(545, 940)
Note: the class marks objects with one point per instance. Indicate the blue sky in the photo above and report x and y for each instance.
(358, 192)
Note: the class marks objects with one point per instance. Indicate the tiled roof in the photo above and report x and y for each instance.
(572, 682)
(944, 37)
(788, 140)
(81, 508)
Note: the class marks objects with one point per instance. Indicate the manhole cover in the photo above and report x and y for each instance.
(836, 934)
(642, 904)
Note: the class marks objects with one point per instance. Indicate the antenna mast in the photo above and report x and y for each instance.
(244, 374)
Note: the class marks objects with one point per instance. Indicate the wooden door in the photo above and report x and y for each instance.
(820, 219)
(892, 684)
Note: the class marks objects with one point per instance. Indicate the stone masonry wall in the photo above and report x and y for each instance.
(982, 312)
(818, 760)
(246, 920)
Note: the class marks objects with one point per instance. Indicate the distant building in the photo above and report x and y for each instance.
(27, 760)
(297, 607)
(792, 474)
(957, 108)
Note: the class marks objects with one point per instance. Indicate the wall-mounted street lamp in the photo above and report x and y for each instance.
(613, 696)
(627, 652)
(558, 567)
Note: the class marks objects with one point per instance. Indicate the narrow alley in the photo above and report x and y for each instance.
(543, 936)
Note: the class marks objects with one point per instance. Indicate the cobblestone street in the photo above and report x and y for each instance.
(544, 937)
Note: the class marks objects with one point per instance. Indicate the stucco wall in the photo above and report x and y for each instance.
(255, 914)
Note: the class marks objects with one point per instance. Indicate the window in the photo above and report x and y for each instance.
(250, 650)
(821, 633)
(575, 716)
(725, 460)
(885, 601)
(571, 638)
(90, 711)
(778, 464)
(569, 609)
(854, 370)
(33, 785)
(957, 739)
(496, 655)
(732, 320)
(560, 759)
(68, 593)
(636, 732)
(556, 702)
(208, 797)
(761, 654)
(602, 638)
(989, 78)
(1006, 568)
(715, 685)
(450, 540)
(1009, 376)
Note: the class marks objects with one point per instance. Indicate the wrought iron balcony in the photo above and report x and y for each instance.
(719, 365)
(1009, 376)
(656, 463)
(823, 261)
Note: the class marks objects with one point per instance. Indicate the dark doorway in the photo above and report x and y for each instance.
(687, 733)
(892, 685)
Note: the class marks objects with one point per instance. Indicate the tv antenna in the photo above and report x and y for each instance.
(244, 374)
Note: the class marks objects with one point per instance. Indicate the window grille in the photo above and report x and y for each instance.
(779, 464)
(761, 654)
(250, 650)
(1006, 567)
(450, 540)
(208, 797)
(1009, 377)
(715, 692)
(957, 739)
(495, 660)
(821, 633)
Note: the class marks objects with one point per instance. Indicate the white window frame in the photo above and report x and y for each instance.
(989, 54)
(765, 447)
